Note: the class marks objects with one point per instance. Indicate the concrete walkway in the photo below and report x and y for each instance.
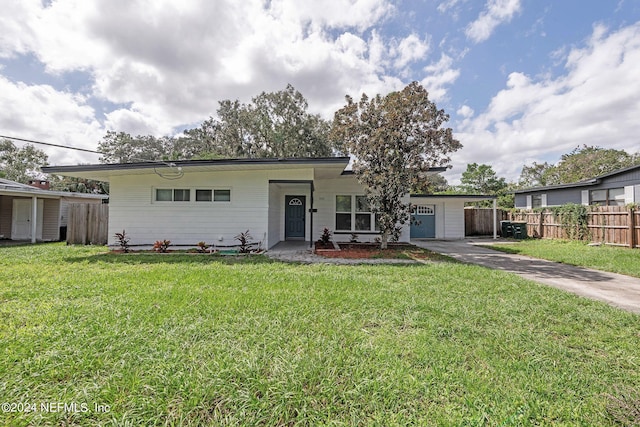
(615, 289)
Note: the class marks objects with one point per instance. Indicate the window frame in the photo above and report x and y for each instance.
(608, 200)
(354, 213)
(193, 195)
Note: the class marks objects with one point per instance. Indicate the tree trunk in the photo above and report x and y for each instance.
(384, 238)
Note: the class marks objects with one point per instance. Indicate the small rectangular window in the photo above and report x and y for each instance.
(536, 201)
(221, 195)
(204, 196)
(164, 195)
(181, 195)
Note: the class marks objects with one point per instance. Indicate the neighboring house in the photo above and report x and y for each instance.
(275, 199)
(617, 188)
(35, 214)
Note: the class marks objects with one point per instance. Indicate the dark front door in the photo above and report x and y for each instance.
(294, 213)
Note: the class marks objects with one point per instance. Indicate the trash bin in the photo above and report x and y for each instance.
(519, 230)
(505, 229)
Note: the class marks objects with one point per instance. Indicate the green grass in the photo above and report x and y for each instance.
(606, 258)
(197, 340)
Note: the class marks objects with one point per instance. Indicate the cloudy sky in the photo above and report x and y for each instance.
(523, 80)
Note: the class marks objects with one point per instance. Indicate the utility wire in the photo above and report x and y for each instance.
(51, 145)
(172, 175)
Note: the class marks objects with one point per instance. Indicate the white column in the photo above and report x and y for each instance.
(34, 218)
(495, 218)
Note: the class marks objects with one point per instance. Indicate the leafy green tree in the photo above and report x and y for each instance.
(536, 175)
(394, 140)
(79, 185)
(481, 179)
(429, 184)
(21, 164)
(272, 125)
(580, 164)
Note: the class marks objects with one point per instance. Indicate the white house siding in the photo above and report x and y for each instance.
(132, 207)
(325, 203)
(449, 216)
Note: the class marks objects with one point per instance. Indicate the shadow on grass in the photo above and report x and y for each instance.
(154, 258)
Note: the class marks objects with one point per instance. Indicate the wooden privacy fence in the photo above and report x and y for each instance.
(479, 221)
(87, 224)
(611, 225)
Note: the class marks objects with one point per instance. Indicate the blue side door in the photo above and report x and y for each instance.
(423, 222)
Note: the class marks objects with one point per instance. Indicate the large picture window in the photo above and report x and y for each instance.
(608, 197)
(353, 213)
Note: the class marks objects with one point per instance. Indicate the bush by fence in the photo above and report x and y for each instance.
(611, 225)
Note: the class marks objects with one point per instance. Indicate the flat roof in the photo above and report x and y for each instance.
(104, 171)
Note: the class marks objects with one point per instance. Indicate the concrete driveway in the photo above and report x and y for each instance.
(615, 289)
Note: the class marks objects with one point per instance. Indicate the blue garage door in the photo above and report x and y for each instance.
(423, 222)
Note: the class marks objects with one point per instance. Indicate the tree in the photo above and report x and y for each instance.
(481, 179)
(273, 125)
(394, 139)
(21, 164)
(429, 184)
(79, 185)
(536, 175)
(580, 164)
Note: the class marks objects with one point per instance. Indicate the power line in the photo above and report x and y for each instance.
(51, 144)
(179, 173)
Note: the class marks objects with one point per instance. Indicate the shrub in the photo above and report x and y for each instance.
(202, 247)
(245, 242)
(353, 238)
(325, 238)
(123, 241)
(161, 245)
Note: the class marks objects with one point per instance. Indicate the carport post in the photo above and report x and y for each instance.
(34, 218)
(495, 218)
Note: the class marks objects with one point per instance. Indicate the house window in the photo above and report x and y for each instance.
(536, 201)
(353, 213)
(221, 195)
(343, 213)
(204, 195)
(608, 197)
(175, 195)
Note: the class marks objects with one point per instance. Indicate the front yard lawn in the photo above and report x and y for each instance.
(606, 258)
(148, 339)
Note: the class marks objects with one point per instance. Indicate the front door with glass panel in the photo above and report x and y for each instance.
(294, 217)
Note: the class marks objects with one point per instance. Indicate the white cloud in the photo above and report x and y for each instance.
(595, 103)
(495, 13)
(42, 113)
(410, 49)
(439, 76)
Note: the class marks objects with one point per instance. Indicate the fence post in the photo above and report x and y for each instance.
(632, 228)
(541, 224)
